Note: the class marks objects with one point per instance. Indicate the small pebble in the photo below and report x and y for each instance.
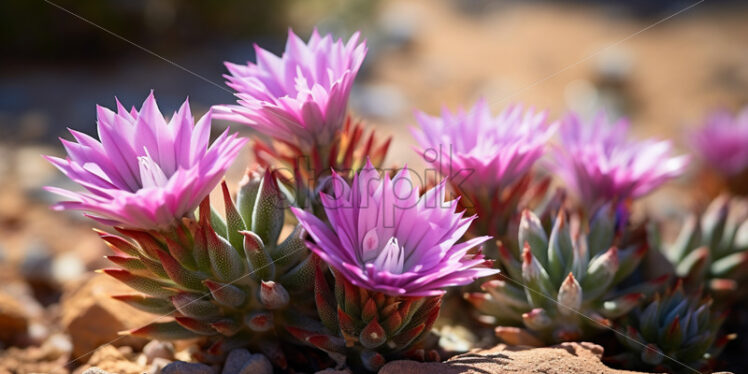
(158, 365)
(257, 364)
(181, 367)
(66, 268)
(57, 345)
(241, 361)
(95, 370)
(157, 349)
(235, 361)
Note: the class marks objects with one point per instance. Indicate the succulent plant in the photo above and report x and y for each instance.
(562, 285)
(300, 100)
(306, 174)
(394, 251)
(599, 162)
(487, 159)
(675, 331)
(713, 248)
(720, 144)
(368, 328)
(229, 280)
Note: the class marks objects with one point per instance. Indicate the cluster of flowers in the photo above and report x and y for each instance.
(361, 277)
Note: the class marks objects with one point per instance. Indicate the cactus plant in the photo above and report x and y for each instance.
(393, 252)
(599, 162)
(229, 280)
(367, 328)
(561, 287)
(487, 159)
(674, 332)
(720, 144)
(300, 100)
(713, 248)
(306, 174)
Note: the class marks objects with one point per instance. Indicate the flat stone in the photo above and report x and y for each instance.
(577, 358)
(92, 318)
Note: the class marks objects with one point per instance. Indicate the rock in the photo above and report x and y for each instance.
(158, 365)
(235, 361)
(181, 367)
(415, 367)
(57, 345)
(92, 318)
(334, 371)
(109, 359)
(157, 349)
(241, 361)
(95, 370)
(577, 358)
(67, 267)
(36, 264)
(31, 360)
(257, 364)
(13, 319)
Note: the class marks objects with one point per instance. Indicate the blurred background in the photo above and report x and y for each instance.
(663, 67)
(662, 63)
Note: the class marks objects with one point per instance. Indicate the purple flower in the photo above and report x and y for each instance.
(383, 236)
(301, 97)
(600, 163)
(723, 142)
(144, 172)
(487, 152)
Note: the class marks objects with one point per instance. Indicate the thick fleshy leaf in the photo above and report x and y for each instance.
(267, 216)
(234, 222)
(225, 261)
(138, 283)
(226, 294)
(163, 331)
(148, 304)
(261, 266)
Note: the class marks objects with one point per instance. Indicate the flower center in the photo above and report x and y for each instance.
(151, 174)
(391, 257)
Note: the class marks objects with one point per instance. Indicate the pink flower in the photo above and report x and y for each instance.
(480, 152)
(383, 236)
(600, 163)
(723, 142)
(300, 98)
(144, 172)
